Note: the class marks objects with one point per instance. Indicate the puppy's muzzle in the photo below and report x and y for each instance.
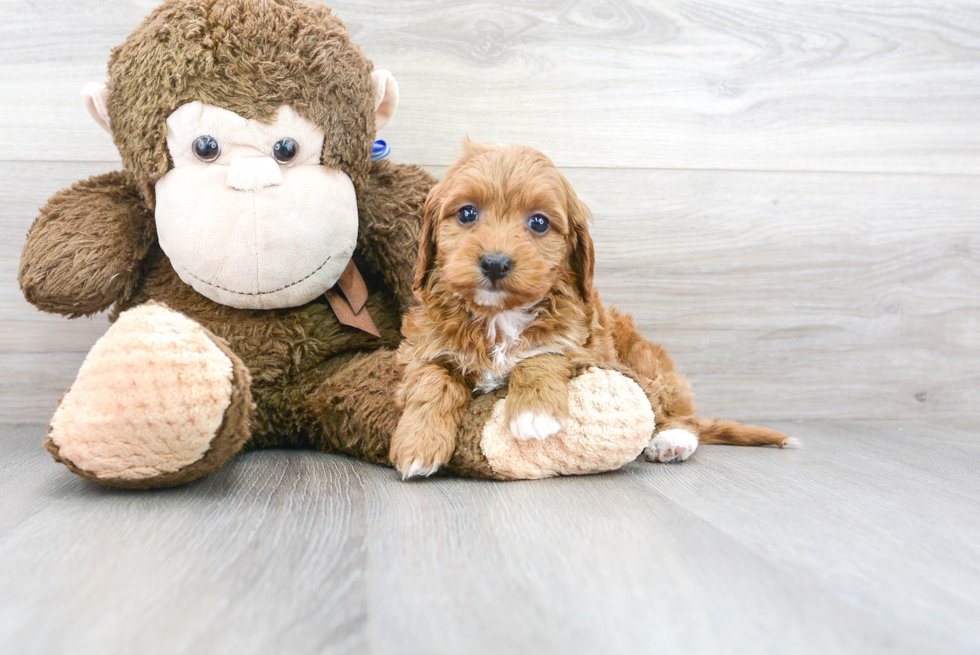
(495, 266)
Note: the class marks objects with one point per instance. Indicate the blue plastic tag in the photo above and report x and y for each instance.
(380, 150)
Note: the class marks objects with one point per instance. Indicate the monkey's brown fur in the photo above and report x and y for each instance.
(314, 382)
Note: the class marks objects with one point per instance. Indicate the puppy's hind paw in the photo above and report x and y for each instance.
(528, 425)
(671, 446)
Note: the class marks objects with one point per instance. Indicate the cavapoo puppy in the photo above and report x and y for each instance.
(505, 283)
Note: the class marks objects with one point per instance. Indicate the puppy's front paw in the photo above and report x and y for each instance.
(528, 425)
(671, 446)
(419, 468)
(421, 458)
(418, 454)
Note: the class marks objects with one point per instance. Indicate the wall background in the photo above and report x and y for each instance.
(786, 194)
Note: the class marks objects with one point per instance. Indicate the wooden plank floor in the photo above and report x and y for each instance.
(865, 541)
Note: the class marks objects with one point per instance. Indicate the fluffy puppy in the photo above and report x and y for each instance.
(505, 283)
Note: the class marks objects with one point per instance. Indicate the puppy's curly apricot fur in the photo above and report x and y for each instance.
(505, 282)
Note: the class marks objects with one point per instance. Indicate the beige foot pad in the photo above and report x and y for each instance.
(611, 422)
(153, 394)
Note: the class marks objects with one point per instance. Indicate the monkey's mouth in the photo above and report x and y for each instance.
(259, 293)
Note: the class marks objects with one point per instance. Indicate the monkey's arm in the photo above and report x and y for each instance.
(84, 250)
(390, 223)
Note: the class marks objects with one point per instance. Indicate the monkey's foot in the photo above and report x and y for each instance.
(159, 401)
(610, 423)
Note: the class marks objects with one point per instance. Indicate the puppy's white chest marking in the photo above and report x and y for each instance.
(510, 324)
(504, 330)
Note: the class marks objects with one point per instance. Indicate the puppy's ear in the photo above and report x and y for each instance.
(581, 251)
(473, 149)
(427, 241)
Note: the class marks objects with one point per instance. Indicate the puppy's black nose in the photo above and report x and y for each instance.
(495, 266)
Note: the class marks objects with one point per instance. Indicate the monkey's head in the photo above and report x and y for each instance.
(248, 126)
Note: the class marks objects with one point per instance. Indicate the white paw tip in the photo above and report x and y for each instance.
(792, 442)
(534, 426)
(419, 470)
(671, 446)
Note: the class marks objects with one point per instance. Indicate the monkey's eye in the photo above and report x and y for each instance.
(538, 224)
(285, 151)
(206, 148)
(467, 215)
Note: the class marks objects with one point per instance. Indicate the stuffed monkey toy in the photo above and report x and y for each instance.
(255, 262)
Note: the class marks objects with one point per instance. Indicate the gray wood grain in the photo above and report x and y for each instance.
(863, 542)
(835, 85)
(256, 559)
(882, 515)
(786, 295)
(781, 295)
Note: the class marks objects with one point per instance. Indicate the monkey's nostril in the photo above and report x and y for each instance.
(495, 266)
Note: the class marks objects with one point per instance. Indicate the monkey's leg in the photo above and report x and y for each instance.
(158, 401)
(353, 411)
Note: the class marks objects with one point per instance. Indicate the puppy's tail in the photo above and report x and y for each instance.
(713, 431)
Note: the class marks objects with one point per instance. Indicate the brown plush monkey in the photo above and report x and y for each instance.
(256, 262)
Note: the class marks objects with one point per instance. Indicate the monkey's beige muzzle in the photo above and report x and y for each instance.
(244, 230)
(245, 236)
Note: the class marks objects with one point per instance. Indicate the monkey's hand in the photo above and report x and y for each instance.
(537, 396)
(84, 251)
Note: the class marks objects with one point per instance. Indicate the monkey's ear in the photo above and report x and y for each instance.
(94, 95)
(385, 97)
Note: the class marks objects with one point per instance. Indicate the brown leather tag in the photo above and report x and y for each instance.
(350, 310)
(352, 285)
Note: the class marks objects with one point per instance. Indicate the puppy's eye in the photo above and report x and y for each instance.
(206, 148)
(467, 215)
(538, 224)
(285, 151)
